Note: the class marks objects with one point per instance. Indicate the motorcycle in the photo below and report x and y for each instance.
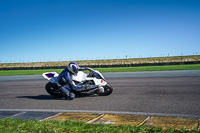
(93, 78)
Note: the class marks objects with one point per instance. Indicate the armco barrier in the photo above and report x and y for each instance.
(105, 66)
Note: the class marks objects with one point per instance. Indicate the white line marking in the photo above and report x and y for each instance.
(144, 121)
(105, 112)
(21, 113)
(95, 119)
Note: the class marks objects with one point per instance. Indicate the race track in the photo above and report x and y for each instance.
(169, 92)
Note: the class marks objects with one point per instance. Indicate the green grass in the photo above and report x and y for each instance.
(150, 68)
(27, 72)
(35, 126)
(104, 62)
(113, 69)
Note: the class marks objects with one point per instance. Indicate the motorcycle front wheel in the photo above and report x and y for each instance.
(107, 90)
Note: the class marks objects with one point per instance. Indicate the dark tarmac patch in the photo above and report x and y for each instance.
(26, 115)
(6, 114)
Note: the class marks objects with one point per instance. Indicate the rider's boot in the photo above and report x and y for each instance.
(71, 96)
(67, 93)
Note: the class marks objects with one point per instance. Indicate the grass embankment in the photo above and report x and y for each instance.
(103, 62)
(113, 69)
(34, 126)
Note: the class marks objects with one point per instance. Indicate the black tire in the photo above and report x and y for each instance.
(107, 90)
(52, 88)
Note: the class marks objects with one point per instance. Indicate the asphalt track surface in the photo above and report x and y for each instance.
(165, 93)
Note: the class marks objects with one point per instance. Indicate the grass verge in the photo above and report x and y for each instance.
(174, 59)
(35, 126)
(112, 69)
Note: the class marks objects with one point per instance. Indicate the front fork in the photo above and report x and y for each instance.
(100, 89)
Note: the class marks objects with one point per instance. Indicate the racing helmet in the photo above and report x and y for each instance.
(73, 68)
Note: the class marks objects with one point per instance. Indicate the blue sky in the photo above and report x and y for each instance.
(63, 30)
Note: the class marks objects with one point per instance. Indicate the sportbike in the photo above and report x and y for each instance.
(93, 78)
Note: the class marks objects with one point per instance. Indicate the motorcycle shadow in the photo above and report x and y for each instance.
(85, 95)
(40, 97)
(49, 97)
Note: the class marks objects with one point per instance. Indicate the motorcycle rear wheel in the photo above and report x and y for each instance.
(107, 90)
(52, 88)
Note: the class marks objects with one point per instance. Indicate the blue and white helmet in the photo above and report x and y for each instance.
(73, 68)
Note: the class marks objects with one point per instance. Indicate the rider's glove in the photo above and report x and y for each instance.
(85, 86)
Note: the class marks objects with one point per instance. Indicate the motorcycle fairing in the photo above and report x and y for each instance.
(49, 75)
(81, 76)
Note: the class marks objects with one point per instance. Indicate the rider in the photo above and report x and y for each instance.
(66, 82)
